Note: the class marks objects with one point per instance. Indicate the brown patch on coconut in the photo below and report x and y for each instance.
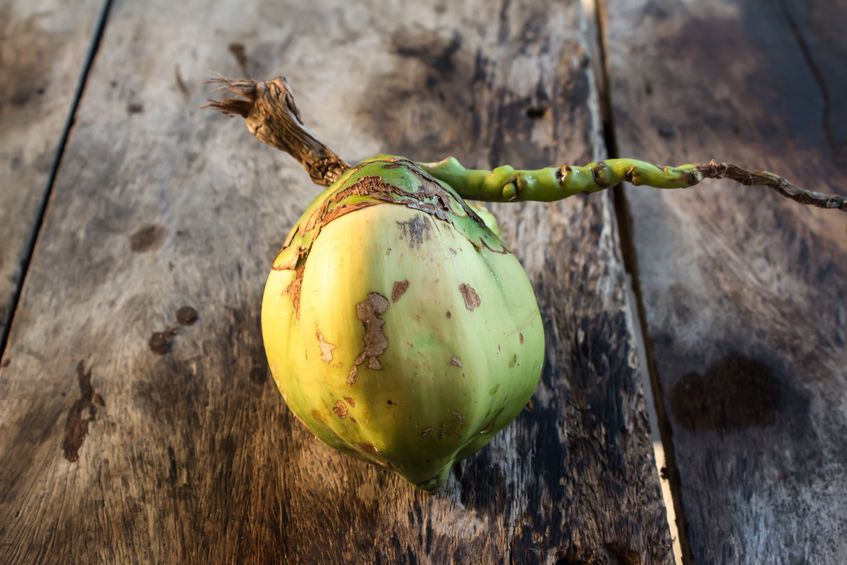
(294, 288)
(368, 447)
(416, 230)
(340, 409)
(375, 341)
(325, 347)
(400, 287)
(472, 300)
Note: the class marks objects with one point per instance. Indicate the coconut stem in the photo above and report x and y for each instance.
(505, 184)
(272, 116)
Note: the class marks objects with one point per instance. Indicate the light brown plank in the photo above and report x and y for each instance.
(744, 291)
(43, 47)
(190, 453)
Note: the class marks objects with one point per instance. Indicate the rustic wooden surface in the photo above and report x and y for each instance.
(744, 294)
(43, 48)
(132, 432)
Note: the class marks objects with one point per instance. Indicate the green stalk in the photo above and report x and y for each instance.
(506, 184)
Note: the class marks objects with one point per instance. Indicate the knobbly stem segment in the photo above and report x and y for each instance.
(505, 184)
(273, 117)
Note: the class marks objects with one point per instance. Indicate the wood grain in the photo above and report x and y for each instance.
(744, 293)
(128, 434)
(43, 47)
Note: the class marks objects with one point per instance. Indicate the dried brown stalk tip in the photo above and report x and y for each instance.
(244, 92)
(715, 170)
(271, 114)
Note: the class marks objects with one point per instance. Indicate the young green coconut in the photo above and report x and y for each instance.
(397, 325)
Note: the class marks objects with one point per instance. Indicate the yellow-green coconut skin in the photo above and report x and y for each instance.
(397, 326)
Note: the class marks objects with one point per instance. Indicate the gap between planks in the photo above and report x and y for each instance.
(660, 428)
(90, 55)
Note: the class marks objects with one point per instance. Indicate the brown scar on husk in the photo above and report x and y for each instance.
(471, 297)
(417, 230)
(430, 198)
(368, 447)
(350, 401)
(294, 288)
(400, 287)
(520, 336)
(375, 342)
(455, 361)
(325, 347)
(340, 409)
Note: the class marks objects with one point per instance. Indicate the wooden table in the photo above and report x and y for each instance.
(131, 432)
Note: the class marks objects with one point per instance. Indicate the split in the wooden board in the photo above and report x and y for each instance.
(742, 295)
(463, 377)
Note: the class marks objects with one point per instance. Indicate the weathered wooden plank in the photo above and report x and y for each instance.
(127, 435)
(743, 291)
(43, 48)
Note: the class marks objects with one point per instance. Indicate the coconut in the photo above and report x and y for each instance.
(397, 325)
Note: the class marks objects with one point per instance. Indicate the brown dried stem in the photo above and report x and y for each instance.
(715, 170)
(272, 116)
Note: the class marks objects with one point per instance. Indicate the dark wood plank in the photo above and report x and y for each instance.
(126, 436)
(43, 47)
(743, 291)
